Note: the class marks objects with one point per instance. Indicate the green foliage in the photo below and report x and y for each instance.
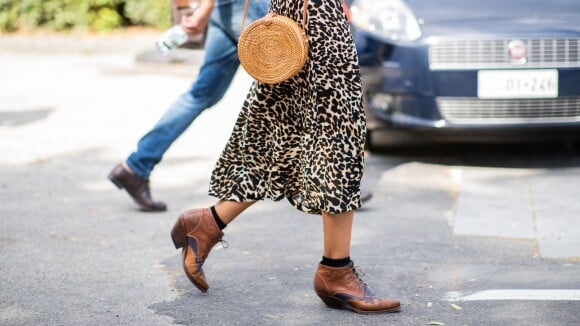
(95, 15)
(7, 11)
(106, 19)
(155, 13)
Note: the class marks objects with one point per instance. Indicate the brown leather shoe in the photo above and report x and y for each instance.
(343, 288)
(137, 188)
(196, 231)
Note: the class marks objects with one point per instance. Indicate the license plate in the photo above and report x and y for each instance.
(536, 83)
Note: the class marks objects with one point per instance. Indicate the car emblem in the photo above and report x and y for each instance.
(518, 52)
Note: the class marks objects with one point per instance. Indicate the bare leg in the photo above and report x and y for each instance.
(337, 230)
(228, 210)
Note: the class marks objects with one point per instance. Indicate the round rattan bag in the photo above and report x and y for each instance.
(273, 49)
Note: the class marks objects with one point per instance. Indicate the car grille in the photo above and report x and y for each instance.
(502, 111)
(487, 54)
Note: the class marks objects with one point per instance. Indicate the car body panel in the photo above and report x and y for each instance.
(434, 94)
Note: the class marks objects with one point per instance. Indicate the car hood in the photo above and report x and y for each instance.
(447, 17)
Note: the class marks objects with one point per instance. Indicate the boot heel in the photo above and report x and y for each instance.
(178, 234)
(332, 302)
(115, 181)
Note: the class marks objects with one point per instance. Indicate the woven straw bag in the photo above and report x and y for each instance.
(273, 48)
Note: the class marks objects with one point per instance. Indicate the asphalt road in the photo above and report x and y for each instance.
(462, 235)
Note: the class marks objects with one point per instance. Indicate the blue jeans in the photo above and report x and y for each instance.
(215, 76)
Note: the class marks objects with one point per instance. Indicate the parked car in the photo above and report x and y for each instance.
(469, 71)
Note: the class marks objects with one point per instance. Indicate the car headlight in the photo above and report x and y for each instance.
(386, 18)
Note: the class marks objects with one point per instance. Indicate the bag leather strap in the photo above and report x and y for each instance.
(304, 13)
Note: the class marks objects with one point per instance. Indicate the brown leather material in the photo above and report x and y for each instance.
(137, 188)
(197, 232)
(342, 288)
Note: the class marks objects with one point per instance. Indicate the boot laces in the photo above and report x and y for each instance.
(359, 273)
(224, 243)
(219, 239)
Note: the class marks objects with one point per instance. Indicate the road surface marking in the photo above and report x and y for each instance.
(541, 295)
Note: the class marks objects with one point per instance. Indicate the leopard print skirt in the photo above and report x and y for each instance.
(302, 139)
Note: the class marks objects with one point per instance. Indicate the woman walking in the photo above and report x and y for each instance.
(301, 140)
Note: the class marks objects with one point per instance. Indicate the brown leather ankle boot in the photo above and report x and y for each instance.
(137, 187)
(196, 231)
(343, 288)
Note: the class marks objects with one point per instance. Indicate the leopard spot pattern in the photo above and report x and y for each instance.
(302, 139)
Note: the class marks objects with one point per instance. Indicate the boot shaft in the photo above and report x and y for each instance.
(333, 280)
(201, 226)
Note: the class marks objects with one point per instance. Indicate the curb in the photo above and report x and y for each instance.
(141, 44)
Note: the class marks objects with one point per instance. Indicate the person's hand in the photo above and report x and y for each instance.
(197, 22)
